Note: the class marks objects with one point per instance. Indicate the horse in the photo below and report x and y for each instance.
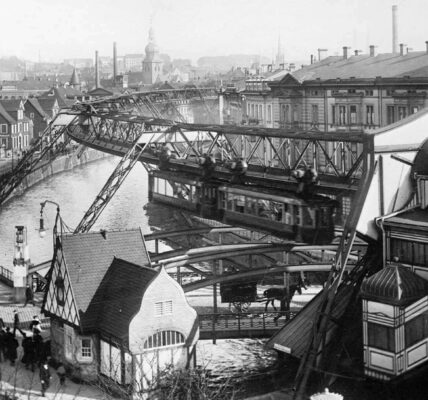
(283, 295)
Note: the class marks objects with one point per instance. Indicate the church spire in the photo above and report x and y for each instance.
(74, 81)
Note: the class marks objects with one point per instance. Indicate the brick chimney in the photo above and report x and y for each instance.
(345, 52)
(426, 46)
(401, 49)
(97, 70)
(394, 30)
(372, 50)
(114, 63)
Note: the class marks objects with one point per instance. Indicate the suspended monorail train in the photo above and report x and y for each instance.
(283, 213)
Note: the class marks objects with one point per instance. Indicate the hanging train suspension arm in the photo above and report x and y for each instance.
(113, 183)
(316, 347)
(28, 163)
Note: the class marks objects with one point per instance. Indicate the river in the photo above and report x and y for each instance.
(243, 362)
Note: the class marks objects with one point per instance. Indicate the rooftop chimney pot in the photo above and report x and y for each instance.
(345, 52)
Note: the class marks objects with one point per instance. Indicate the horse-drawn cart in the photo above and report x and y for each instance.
(241, 295)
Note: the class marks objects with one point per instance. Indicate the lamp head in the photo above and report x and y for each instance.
(42, 230)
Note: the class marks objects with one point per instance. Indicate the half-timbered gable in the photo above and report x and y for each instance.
(60, 301)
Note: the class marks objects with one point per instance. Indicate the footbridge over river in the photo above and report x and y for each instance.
(369, 174)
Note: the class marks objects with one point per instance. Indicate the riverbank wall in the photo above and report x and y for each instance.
(60, 164)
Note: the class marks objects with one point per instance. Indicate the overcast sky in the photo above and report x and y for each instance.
(58, 29)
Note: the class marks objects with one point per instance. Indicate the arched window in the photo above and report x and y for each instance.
(163, 339)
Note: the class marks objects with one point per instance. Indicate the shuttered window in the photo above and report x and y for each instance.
(163, 308)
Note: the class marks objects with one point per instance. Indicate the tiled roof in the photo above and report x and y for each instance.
(396, 285)
(413, 64)
(118, 298)
(47, 103)
(89, 255)
(11, 105)
(99, 91)
(53, 94)
(416, 217)
(6, 115)
(36, 105)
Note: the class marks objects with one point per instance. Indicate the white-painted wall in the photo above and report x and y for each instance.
(403, 139)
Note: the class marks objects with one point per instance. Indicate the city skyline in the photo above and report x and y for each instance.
(52, 31)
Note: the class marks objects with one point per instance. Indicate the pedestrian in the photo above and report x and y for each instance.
(12, 346)
(35, 325)
(61, 374)
(2, 345)
(38, 348)
(29, 352)
(29, 296)
(45, 377)
(16, 323)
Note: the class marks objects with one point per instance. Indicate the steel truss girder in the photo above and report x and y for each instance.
(159, 104)
(341, 160)
(109, 189)
(28, 163)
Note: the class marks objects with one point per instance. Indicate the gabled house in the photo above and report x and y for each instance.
(100, 92)
(114, 316)
(49, 105)
(66, 96)
(16, 130)
(34, 111)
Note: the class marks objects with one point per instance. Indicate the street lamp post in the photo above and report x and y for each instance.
(42, 229)
(21, 260)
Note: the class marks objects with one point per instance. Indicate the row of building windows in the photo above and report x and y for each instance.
(256, 111)
(163, 339)
(382, 337)
(16, 128)
(408, 252)
(20, 142)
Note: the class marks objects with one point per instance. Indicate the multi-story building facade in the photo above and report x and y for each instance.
(34, 112)
(133, 62)
(341, 93)
(16, 130)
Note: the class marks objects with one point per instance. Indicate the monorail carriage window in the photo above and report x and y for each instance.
(277, 211)
(308, 216)
(239, 203)
(297, 215)
(324, 216)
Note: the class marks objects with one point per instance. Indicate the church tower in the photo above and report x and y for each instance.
(75, 81)
(152, 64)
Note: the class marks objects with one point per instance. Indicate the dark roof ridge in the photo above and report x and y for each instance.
(101, 231)
(135, 265)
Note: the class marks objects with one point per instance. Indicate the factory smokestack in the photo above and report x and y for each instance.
(114, 63)
(394, 30)
(97, 70)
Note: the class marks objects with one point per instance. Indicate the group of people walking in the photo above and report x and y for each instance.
(35, 351)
